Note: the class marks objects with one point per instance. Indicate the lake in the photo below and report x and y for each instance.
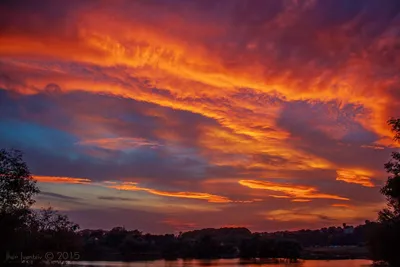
(226, 263)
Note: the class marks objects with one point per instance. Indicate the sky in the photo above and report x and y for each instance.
(169, 116)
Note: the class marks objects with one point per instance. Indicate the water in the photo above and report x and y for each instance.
(226, 263)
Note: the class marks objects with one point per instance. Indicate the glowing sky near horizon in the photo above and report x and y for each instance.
(174, 115)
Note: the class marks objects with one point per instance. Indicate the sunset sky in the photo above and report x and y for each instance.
(168, 116)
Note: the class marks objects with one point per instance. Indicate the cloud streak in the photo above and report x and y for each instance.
(355, 176)
(61, 180)
(289, 190)
(129, 186)
(119, 143)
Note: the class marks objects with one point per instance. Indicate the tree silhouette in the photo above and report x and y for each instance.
(52, 231)
(384, 242)
(17, 189)
(391, 190)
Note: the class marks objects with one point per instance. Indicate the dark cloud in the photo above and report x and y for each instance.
(313, 127)
(59, 196)
(44, 18)
(116, 198)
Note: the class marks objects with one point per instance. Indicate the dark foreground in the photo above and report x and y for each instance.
(228, 263)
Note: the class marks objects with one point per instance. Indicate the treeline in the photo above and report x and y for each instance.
(121, 244)
(329, 236)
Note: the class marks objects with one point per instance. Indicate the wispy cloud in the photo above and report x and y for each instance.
(289, 190)
(61, 180)
(116, 198)
(290, 215)
(119, 143)
(355, 176)
(59, 196)
(300, 200)
(129, 186)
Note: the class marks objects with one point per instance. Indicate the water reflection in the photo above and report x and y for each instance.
(223, 263)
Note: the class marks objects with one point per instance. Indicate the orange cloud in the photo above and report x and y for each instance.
(275, 196)
(61, 180)
(193, 195)
(186, 65)
(289, 215)
(136, 45)
(220, 145)
(132, 186)
(292, 191)
(355, 176)
(310, 214)
(300, 200)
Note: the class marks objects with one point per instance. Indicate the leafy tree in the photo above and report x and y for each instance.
(384, 242)
(17, 189)
(53, 231)
(391, 190)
